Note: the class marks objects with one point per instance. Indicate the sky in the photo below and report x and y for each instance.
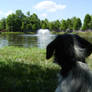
(50, 9)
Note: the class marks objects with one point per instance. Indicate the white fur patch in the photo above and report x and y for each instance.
(79, 80)
(79, 52)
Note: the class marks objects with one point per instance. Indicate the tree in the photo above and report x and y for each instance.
(87, 21)
(28, 13)
(34, 27)
(63, 25)
(44, 24)
(19, 19)
(18, 22)
(57, 25)
(10, 23)
(90, 24)
(3, 24)
(51, 26)
(69, 24)
(14, 21)
(77, 24)
(35, 21)
(19, 14)
(29, 27)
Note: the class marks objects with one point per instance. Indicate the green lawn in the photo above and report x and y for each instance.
(26, 70)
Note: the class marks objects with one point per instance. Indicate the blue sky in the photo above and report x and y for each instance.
(50, 9)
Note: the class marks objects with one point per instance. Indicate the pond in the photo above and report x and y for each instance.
(25, 40)
(29, 40)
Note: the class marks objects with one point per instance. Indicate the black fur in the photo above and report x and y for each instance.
(68, 50)
(63, 50)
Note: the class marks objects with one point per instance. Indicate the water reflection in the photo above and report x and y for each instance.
(44, 37)
(43, 41)
(25, 40)
(3, 42)
(28, 40)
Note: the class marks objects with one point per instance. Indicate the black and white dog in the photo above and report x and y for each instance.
(69, 52)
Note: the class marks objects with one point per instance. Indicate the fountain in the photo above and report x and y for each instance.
(43, 32)
(44, 38)
(40, 40)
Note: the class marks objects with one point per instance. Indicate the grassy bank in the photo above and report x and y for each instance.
(77, 32)
(26, 70)
(87, 33)
(7, 33)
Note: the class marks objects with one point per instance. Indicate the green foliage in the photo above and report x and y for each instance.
(44, 24)
(69, 24)
(10, 23)
(87, 21)
(63, 26)
(14, 21)
(56, 25)
(77, 24)
(28, 13)
(18, 22)
(90, 24)
(3, 24)
(35, 22)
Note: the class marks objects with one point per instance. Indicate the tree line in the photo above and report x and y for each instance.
(19, 22)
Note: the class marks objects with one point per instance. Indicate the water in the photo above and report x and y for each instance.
(44, 37)
(40, 40)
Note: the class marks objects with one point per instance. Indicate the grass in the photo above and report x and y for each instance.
(87, 33)
(6, 33)
(3, 33)
(26, 70)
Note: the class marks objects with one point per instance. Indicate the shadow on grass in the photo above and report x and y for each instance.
(20, 77)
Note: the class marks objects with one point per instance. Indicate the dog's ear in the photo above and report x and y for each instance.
(50, 49)
(86, 45)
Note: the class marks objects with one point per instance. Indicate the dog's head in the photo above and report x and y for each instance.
(68, 48)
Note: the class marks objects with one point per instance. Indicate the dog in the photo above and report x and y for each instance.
(70, 51)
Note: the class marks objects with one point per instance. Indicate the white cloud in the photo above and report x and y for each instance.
(49, 6)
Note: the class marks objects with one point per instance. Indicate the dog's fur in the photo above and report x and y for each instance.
(69, 52)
